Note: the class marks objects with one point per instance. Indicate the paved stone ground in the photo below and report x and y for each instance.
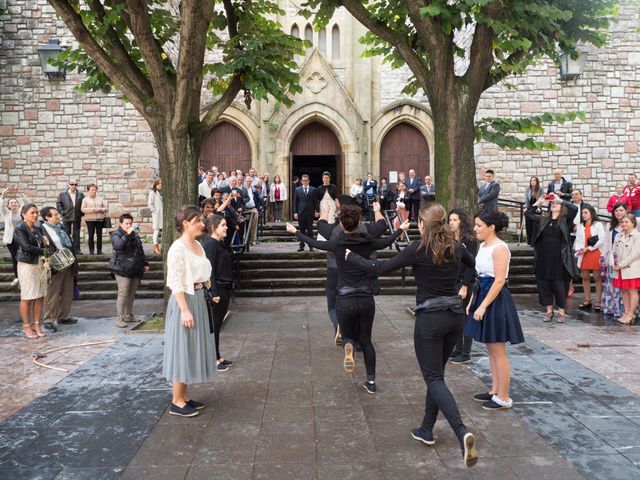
(288, 410)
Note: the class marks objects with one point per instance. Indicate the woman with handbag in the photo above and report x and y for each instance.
(189, 350)
(589, 240)
(626, 254)
(128, 263)
(32, 272)
(94, 209)
(221, 279)
(63, 267)
(155, 205)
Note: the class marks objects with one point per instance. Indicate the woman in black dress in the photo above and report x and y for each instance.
(355, 306)
(531, 195)
(555, 264)
(221, 278)
(435, 259)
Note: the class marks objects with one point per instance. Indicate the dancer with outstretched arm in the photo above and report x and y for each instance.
(435, 259)
(355, 306)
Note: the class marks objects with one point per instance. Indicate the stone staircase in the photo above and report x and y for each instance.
(273, 268)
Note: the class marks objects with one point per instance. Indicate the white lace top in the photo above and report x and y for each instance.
(184, 268)
(484, 259)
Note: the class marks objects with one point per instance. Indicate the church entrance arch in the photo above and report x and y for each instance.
(226, 147)
(404, 147)
(315, 149)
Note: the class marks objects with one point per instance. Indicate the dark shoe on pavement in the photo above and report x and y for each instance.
(186, 411)
(226, 362)
(51, 326)
(469, 452)
(222, 367)
(369, 387)
(68, 321)
(460, 358)
(491, 405)
(483, 397)
(423, 435)
(194, 404)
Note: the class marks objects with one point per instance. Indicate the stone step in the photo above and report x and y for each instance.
(14, 295)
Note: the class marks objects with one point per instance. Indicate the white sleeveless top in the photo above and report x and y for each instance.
(484, 259)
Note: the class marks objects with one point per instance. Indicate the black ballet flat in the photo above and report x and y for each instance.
(585, 306)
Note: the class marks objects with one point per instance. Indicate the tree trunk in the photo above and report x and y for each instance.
(455, 168)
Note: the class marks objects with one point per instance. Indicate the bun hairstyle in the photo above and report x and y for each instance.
(436, 233)
(349, 217)
(213, 220)
(495, 218)
(186, 213)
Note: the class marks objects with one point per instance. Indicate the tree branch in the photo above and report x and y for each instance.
(514, 58)
(120, 54)
(481, 54)
(220, 105)
(195, 19)
(74, 22)
(360, 13)
(140, 26)
(232, 18)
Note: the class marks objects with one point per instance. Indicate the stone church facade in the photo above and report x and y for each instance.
(350, 119)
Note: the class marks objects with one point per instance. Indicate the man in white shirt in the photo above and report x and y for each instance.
(205, 187)
(249, 197)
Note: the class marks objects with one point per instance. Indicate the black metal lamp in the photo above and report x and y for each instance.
(571, 68)
(50, 51)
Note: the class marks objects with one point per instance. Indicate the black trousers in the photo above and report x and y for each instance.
(553, 292)
(13, 250)
(464, 343)
(220, 309)
(355, 315)
(330, 286)
(93, 229)
(415, 208)
(435, 335)
(73, 229)
(305, 220)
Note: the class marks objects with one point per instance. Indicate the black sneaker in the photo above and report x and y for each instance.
(483, 397)
(469, 452)
(222, 367)
(423, 435)
(195, 404)
(460, 359)
(369, 387)
(51, 326)
(186, 411)
(491, 405)
(226, 362)
(68, 321)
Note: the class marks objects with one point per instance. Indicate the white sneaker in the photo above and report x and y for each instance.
(14, 283)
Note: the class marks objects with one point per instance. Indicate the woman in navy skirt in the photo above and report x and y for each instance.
(492, 315)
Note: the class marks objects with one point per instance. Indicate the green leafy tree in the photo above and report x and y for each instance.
(154, 52)
(507, 36)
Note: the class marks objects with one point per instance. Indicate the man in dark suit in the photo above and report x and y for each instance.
(427, 191)
(489, 192)
(560, 186)
(69, 205)
(413, 188)
(305, 207)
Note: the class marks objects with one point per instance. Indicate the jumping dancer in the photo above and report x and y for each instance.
(492, 315)
(355, 306)
(435, 259)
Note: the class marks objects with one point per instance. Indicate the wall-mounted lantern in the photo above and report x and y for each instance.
(50, 51)
(571, 68)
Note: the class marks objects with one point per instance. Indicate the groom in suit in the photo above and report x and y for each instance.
(305, 207)
(413, 188)
(489, 192)
(427, 191)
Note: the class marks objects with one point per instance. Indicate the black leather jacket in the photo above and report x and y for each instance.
(127, 246)
(30, 244)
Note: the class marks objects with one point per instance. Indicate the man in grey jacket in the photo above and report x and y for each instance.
(69, 205)
(489, 192)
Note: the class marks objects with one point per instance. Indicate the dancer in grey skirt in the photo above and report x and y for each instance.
(189, 351)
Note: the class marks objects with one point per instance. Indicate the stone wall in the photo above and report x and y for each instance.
(49, 133)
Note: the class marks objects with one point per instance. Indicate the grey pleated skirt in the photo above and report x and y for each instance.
(189, 353)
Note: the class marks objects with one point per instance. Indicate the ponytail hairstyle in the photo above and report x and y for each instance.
(349, 217)
(495, 218)
(436, 233)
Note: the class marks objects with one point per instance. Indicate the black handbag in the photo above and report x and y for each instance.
(591, 241)
(106, 222)
(208, 297)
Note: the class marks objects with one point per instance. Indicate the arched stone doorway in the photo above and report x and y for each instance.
(404, 147)
(226, 147)
(315, 149)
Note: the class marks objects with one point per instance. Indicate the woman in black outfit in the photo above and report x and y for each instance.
(531, 195)
(555, 264)
(355, 306)
(221, 278)
(463, 232)
(440, 316)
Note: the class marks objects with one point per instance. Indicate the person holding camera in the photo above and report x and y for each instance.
(554, 263)
(128, 263)
(589, 240)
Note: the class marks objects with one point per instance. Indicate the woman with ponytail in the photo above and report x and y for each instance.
(435, 259)
(492, 315)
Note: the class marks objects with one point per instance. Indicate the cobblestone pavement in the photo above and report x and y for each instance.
(288, 410)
